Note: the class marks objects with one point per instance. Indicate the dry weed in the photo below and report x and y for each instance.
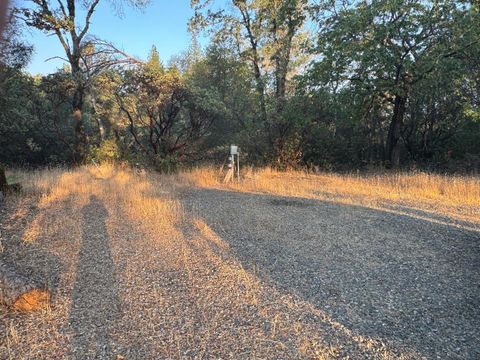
(451, 195)
(181, 292)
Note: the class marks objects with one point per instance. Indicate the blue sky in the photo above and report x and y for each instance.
(163, 24)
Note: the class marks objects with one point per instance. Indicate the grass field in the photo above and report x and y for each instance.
(136, 275)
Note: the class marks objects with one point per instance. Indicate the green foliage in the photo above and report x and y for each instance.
(31, 130)
(165, 114)
(107, 151)
(388, 80)
(407, 64)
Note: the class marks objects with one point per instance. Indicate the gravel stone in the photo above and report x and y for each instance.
(411, 283)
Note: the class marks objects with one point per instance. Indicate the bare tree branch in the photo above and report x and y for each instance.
(91, 10)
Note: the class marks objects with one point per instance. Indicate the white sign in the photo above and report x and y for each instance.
(234, 150)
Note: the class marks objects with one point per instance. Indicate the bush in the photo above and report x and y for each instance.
(108, 151)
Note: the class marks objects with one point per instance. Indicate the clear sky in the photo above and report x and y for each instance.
(163, 24)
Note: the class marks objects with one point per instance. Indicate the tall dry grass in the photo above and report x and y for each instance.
(451, 195)
(180, 286)
(135, 194)
(50, 222)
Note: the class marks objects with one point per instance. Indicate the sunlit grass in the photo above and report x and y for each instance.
(454, 195)
(135, 194)
(144, 207)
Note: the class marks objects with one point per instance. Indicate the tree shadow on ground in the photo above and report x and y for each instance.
(96, 304)
(409, 282)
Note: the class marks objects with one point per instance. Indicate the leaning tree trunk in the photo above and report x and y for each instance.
(19, 292)
(394, 132)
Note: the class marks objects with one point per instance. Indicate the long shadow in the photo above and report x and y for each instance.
(96, 303)
(412, 283)
(30, 259)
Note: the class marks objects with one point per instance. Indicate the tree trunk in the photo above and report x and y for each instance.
(19, 292)
(260, 87)
(5, 187)
(3, 179)
(102, 130)
(80, 139)
(77, 108)
(394, 132)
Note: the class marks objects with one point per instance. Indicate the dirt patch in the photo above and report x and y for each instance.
(290, 202)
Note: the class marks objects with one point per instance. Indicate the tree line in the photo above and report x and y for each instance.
(295, 83)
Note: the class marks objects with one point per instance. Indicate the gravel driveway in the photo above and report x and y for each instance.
(411, 283)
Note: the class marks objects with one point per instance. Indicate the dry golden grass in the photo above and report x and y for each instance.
(182, 290)
(450, 195)
(46, 227)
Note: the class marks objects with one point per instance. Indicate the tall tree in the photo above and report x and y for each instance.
(267, 35)
(388, 46)
(164, 115)
(62, 18)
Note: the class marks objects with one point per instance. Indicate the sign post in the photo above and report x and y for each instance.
(234, 164)
(238, 165)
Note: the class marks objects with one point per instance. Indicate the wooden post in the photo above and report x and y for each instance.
(231, 170)
(238, 166)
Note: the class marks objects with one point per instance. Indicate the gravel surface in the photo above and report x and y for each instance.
(411, 283)
(235, 276)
